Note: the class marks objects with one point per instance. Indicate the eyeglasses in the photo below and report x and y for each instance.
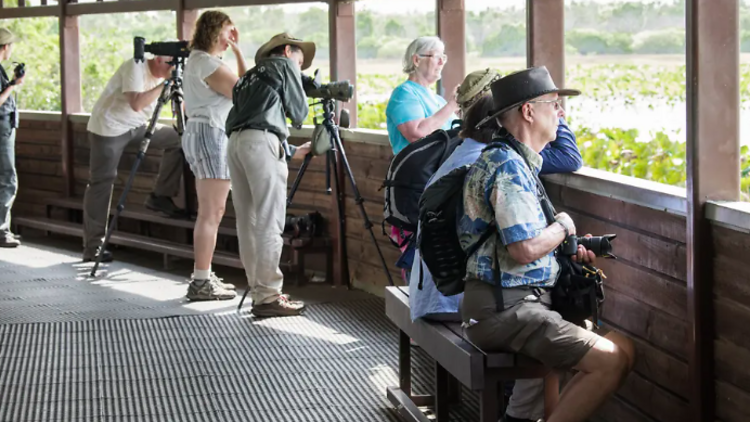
(439, 57)
(558, 103)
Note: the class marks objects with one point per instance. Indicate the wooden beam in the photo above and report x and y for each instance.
(713, 172)
(545, 37)
(125, 6)
(186, 19)
(204, 4)
(70, 85)
(29, 12)
(451, 28)
(343, 51)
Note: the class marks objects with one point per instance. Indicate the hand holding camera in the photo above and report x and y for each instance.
(18, 74)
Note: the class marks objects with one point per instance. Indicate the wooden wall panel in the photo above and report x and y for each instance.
(38, 166)
(731, 275)
(646, 299)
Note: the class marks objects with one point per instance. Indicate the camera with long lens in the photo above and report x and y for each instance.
(339, 90)
(599, 245)
(174, 49)
(19, 71)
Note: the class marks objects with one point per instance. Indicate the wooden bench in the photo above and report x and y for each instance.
(456, 359)
(298, 248)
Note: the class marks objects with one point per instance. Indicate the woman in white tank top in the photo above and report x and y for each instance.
(208, 84)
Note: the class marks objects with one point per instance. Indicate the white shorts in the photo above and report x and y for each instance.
(205, 150)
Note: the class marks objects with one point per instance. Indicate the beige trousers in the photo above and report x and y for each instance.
(258, 172)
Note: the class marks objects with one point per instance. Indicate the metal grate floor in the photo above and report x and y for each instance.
(331, 364)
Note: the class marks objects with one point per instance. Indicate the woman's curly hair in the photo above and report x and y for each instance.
(207, 29)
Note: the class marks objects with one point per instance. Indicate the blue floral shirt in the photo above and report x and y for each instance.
(501, 187)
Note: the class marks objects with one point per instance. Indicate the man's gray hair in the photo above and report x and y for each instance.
(419, 46)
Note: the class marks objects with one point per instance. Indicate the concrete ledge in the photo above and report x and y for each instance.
(733, 215)
(41, 116)
(649, 194)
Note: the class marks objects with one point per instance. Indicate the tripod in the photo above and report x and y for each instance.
(171, 92)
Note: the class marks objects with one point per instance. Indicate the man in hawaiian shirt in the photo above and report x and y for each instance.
(502, 189)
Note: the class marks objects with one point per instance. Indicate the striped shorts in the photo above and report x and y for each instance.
(205, 150)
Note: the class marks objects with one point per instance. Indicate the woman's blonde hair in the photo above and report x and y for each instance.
(207, 29)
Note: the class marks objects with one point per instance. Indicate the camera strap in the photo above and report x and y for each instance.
(547, 208)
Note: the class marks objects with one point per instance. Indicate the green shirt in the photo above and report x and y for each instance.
(266, 95)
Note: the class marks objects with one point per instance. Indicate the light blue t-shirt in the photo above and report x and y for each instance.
(411, 101)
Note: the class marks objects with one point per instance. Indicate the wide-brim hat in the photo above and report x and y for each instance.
(519, 87)
(7, 37)
(474, 85)
(308, 48)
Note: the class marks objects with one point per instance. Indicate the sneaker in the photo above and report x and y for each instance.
(164, 204)
(282, 306)
(221, 283)
(90, 256)
(208, 290)
(8, 240)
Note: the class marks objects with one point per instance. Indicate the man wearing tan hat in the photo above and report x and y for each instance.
(8, 118)
(258, 153)
(560, 156)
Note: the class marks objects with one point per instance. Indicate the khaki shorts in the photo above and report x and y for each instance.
(529, 328)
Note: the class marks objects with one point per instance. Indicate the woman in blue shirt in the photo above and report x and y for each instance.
(415, 111)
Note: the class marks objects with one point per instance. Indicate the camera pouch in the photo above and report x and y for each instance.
(578, 293)
(14, 119)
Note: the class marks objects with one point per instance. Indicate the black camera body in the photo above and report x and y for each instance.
(174, 49)
(599, 245)
(339, 90)
(19, 71)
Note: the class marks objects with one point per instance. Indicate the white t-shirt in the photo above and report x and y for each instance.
(112, 114)
(203, 104)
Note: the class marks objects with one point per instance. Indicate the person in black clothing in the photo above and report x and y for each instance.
(8, 119)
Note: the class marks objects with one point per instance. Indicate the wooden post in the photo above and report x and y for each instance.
(545, 37)
(70, 85)
(713, 172)
(343, 51)
(343, 65)
(451, 28)
(185, 21)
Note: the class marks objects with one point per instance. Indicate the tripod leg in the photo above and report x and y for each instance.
(298, 179)
(244, 295)
(342, 218)
(338, 146)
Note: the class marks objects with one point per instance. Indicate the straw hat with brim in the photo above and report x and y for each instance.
(7, 37)
(517, 88)
(474, 85)
(308, 48)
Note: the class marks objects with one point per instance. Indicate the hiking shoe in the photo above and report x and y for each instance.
(8, 240)
(282, 306)
(208, 290)
(90, 256)
(164, 204)
(221, 283)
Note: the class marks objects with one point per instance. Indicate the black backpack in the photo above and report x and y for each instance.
(440, 207)
(409, 172)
